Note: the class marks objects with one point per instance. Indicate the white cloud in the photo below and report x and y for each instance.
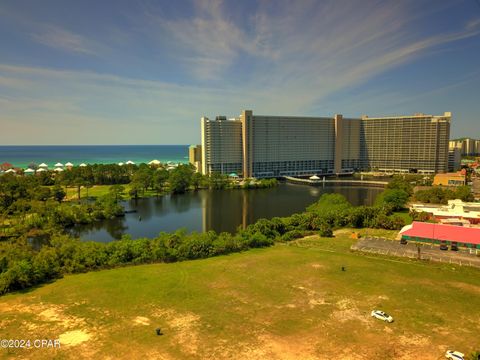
(60, 38)
(283, 58)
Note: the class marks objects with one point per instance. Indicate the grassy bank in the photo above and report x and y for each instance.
(287, 301)
(101, 190)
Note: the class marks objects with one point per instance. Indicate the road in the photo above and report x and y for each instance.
(410, 250)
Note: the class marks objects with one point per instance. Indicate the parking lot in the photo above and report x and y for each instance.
(411, 250)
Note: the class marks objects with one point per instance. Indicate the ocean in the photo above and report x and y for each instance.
(22, 156)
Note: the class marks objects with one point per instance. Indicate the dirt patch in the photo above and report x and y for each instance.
(73, 338)
(48, 314)
(467, 287)
(268, 346)
(347, 310)
(413, 340)
(141, 320)
(184, 328)
(287, 306)
(313, 298)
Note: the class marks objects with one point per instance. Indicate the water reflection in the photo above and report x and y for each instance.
(215, 210)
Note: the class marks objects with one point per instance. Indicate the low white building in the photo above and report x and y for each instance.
(455, 209)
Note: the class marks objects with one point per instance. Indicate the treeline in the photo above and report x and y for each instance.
(37, 218)
(21, 266)
(441, 195)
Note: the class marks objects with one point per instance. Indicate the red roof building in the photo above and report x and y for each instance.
(440, 233)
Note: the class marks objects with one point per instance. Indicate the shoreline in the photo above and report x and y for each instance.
(20, 156)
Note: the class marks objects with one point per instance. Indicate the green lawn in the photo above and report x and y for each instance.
(404, 214)
(285, 302)
(100, 190)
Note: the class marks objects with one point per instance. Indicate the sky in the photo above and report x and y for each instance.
(145, 71)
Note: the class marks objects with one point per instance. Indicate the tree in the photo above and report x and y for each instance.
(143, 177)
(43, 193)
(197, 180)
(180, 179)
(464, 193)
(135, 189)
(79, 182)
(218, 181)
(87, 184)
(396, 199)
(160, 177)
(58, 193)
(400, 183)
(117, 191)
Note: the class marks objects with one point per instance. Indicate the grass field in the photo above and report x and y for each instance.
(100, 190)
(404, 214)
(285, 302)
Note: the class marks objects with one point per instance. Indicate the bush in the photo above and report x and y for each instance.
(292, 235)
(325, 231)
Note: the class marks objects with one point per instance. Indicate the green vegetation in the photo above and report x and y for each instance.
(35, 206)
(440, 195)
(401, 183)
(395, 199)
(23, 266)
(287, 301)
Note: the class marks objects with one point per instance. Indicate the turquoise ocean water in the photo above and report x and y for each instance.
(22, 156)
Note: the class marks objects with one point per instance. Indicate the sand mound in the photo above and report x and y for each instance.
(75, 337)
(141, 320)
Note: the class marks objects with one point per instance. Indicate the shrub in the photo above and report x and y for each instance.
(292, 235)
(325, 231)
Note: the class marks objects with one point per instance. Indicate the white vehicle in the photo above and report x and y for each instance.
(381, 315)
(454, 355)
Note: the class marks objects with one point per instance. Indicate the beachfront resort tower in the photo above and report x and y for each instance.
(405, 143)
(272, 146)
(221, 145)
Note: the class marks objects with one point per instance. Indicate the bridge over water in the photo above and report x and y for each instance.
(336, 181)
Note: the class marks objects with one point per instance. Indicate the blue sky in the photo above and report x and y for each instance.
(144, 72)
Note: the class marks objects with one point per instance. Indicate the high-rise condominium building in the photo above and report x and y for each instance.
(467, 146)
(270, 146)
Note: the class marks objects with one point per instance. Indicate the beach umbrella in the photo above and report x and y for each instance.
(120, 164)
(58, 165)
(69, 164)
(29, 171)
(83, 165)
(41, 170)
(58, 169)
(314, 177)
(9, 171)
(43, 166)
(154, 162)
(130, 162)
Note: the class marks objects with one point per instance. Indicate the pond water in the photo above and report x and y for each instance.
(219, 210)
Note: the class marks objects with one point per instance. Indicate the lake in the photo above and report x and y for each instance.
(219, 210)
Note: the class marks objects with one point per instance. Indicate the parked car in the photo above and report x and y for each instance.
(443, 247)
(454, 355)
(454, 247)
(403, 241)
(381, 315)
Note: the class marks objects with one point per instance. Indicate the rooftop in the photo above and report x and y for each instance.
(460, 234)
